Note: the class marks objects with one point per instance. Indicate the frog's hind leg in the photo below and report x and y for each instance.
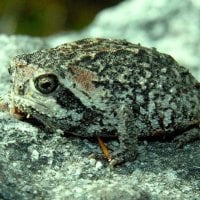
(128, 137)
(188, 136)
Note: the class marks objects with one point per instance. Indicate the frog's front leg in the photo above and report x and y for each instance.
(128, 137)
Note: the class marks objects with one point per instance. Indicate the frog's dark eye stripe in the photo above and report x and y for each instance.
(46, 83)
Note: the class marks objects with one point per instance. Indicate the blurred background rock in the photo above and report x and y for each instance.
(45, 17)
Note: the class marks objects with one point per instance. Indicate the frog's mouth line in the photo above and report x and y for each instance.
(26, 117)
(23, 109)
(19, 114)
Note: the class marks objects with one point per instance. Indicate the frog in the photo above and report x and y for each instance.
(107, 88)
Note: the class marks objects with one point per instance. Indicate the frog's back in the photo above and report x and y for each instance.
(163, 95)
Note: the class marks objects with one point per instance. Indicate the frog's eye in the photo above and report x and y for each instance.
(46, 83)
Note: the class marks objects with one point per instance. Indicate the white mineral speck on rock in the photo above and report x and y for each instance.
(34, 155)
(98, 165)
(92, 161)
(78, 172)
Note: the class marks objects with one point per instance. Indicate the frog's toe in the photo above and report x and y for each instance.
(119, 157)
(97, 156)
(187, 136)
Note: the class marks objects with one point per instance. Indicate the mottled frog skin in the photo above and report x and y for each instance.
(107, 87)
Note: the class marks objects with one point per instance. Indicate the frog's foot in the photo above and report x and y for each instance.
(187, 136)
(117, 156)
(122, 155)
(97, 156)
